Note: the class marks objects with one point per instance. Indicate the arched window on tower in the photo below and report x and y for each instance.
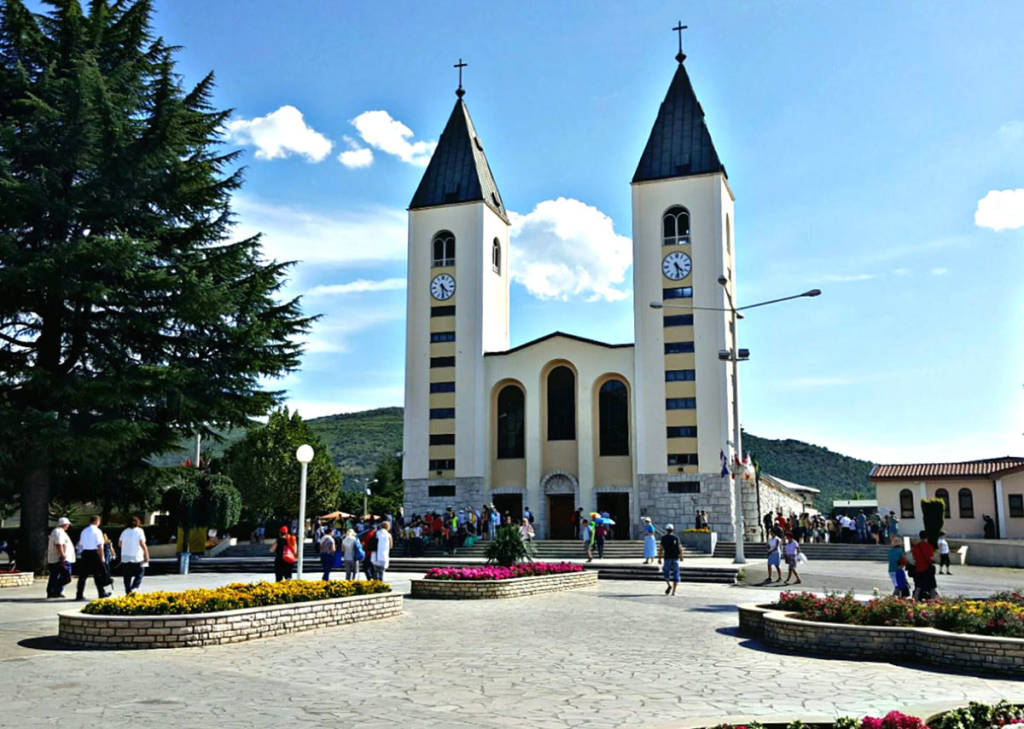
(966, 497)
(675, 226)
(510, 422)
(496, 256)
(944, 495)
(561, 404)
(906, 504)
(613, 413)
(443, 249)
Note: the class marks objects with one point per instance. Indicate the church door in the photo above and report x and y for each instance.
(560, 508)
(617, 506)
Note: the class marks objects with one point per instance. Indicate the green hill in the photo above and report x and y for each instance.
(359, 441)
(838, 476)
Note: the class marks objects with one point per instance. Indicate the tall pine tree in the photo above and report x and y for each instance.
(127, 315)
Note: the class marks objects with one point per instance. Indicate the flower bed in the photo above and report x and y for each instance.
(483, 583)
(236, 596)
(491, 572)
(975, 716)
(302, 607)
(785, 627)
(1002, 614)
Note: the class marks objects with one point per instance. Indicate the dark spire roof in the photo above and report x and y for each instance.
(680, 143)
(458, 171)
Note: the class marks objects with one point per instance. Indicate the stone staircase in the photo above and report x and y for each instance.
(824, 552)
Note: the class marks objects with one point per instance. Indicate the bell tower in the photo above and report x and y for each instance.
(457, 308)
(682, 245)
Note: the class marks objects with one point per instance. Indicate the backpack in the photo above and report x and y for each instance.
(357, 552)
(288, 553)
(371, 543)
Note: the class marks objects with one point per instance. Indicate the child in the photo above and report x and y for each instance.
(943, 553)
(792, 549)
(897, 573)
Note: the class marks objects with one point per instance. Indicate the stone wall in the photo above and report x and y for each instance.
(499, 589)
(952, 651)
(230, 626)
(16, 579)
(714, 496)
(772, 499)
(468, 492)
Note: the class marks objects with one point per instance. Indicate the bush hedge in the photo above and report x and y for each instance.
(1001, 615)
(235, 596)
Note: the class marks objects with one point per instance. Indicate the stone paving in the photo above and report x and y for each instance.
(620, 655)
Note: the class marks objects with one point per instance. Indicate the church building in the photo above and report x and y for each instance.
(634, 429)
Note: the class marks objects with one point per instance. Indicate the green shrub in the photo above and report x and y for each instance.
(508, 547)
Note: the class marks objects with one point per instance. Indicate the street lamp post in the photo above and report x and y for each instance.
(735, 355)
(304, 454)
(366, 496)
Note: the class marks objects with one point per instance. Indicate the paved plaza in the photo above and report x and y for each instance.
(620, 655)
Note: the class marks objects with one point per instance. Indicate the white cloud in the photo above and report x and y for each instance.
(358, 286)
(280, 134)
(1001, 210)
(332, 333)
(567, 248)
(939, 271)
(356, 158)
(380, 131)
(370, 235)
(901, 271)
(847, 278)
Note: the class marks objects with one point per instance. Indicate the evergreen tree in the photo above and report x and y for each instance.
(264, 469)
(127, 315)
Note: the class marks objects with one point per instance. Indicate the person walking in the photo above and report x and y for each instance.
(897, 573)
(382, 554)
(943, 553)
(94, 560)
(285, 554)
(60, 555)
(327, 549)
(650, 541)
(576, 520)
(791, 551)
(600, 532)
(587, 536)
(349, 554)
(671, 552)
(134, 555)
(923, 554)
(774, 556)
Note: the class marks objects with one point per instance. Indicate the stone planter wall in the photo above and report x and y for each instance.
(499, 589)
(701, 542)
(230, 626)
(954, 651)
(16, 579)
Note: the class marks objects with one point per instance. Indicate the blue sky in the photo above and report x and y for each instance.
(876, 150)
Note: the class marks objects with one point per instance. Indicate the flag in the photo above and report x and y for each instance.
(725, 467)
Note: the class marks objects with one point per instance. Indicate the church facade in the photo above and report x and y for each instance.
(561, 422)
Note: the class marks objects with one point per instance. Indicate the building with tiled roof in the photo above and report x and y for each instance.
(984, 498)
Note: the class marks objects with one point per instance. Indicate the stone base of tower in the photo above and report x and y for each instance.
(430, 495)
(675, 499)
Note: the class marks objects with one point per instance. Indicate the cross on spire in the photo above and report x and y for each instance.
(460, 92)
(679, 29)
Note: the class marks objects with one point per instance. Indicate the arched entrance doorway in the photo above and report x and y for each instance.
(560, 497)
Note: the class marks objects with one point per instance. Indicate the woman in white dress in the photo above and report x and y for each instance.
(382, 555)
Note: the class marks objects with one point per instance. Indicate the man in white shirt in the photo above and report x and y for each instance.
(60, 555)
(94, 562)
(134, 555)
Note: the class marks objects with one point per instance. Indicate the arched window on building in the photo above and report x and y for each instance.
(561, 404)
(675, 226)
(966, 499)
(944, 495)
(511, 422)
(613, 414)
(496, 256)
(906, 504)
(443, 249)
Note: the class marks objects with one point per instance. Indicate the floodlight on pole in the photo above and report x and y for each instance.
(304, 454)
(735, 355)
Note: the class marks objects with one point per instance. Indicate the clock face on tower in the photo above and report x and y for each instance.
(676, 265)
(442, 287)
